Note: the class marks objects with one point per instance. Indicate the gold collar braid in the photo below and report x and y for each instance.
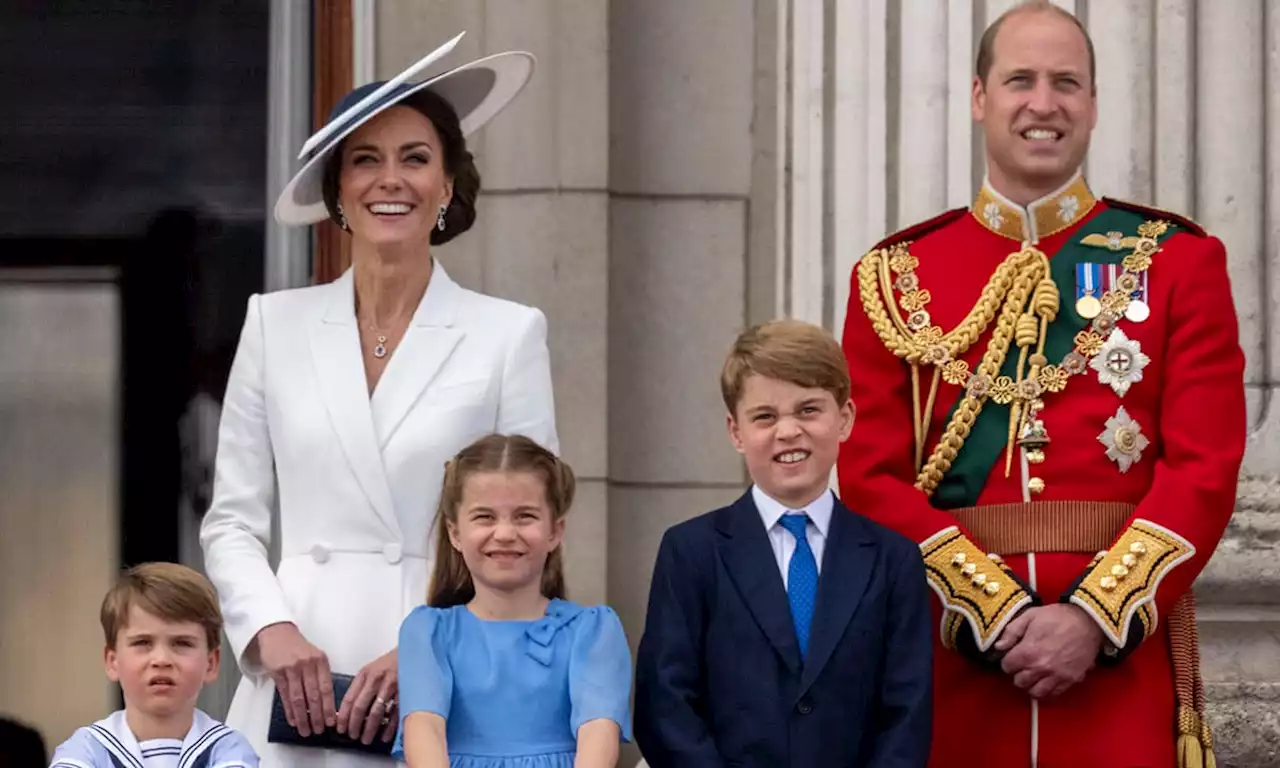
(1039, 219)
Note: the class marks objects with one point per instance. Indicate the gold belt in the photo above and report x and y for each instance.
(1086, 527)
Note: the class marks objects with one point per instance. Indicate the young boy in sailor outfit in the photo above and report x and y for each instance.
(162, 627)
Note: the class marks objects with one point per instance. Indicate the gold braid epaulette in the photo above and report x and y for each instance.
(1021, 277)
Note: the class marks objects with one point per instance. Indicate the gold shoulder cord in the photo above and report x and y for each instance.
(1021, 277)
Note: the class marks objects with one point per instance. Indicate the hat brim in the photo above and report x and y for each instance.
(477, 91)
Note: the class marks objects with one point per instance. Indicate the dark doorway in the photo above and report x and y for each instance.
(134, 140)
(137, 139)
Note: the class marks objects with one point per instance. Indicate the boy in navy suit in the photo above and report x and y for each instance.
(784, 630)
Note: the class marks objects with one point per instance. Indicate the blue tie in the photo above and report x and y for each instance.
(802, 580)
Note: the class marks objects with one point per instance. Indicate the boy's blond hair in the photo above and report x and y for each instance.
(788, 350)
(170, 591)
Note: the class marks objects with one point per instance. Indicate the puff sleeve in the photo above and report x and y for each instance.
(600, 671)
(425, 677)
(235, 533)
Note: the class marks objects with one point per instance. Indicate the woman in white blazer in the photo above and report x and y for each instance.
(345, 401)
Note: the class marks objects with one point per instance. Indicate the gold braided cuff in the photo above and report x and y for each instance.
(971, 584)
(1124, 581)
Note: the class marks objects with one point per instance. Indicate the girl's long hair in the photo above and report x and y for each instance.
(451, 582)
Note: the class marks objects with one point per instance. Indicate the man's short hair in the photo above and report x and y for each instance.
(986, 46)
(788, 350)
(170, 591)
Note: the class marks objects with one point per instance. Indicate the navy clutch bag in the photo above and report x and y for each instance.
(280, 732)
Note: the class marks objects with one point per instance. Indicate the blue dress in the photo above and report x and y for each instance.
(513, 693)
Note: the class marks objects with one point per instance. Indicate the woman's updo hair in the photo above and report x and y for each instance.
(458, 162)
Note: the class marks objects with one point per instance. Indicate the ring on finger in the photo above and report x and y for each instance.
(379, 701)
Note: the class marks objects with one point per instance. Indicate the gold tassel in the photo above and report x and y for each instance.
(1015, 410)
(1189, 753)
(1206, 743)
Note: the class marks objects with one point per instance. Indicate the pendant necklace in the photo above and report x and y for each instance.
(379, 349)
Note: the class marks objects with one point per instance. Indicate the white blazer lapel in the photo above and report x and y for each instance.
(427, 344)
(335, 346)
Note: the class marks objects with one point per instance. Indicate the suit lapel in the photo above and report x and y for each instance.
(749, 559)
(427, 345)
(847, 560)
(335, 347)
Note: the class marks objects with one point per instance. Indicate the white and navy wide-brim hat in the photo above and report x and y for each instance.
(477, 91)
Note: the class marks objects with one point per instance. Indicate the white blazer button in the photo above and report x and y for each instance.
(320, 553)
(393, 553)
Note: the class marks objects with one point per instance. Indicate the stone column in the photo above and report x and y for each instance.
(681, 92)
(288, 257)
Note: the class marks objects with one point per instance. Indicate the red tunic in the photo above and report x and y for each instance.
(1189, 405)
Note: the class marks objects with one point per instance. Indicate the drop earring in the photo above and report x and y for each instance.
(440, 217)
(342, 218)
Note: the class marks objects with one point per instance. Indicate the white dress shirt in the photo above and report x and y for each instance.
(783, 543)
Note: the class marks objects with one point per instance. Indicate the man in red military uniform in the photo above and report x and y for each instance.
(1050, 400)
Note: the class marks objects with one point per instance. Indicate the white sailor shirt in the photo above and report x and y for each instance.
(109, 743)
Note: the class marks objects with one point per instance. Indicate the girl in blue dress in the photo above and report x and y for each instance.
(498, 670)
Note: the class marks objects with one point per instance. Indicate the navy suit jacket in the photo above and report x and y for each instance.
(719, 678)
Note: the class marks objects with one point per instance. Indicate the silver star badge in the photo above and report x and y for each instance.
(1124, 440)
(1120, 362)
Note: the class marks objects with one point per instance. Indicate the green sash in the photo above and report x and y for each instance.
(963, 483)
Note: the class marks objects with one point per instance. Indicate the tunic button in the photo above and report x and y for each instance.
(393, 553)
(320, 553)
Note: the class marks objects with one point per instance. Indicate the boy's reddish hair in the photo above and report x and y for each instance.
(788, 350)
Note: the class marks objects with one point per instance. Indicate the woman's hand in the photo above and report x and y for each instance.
(370, 702)
(301, 674)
